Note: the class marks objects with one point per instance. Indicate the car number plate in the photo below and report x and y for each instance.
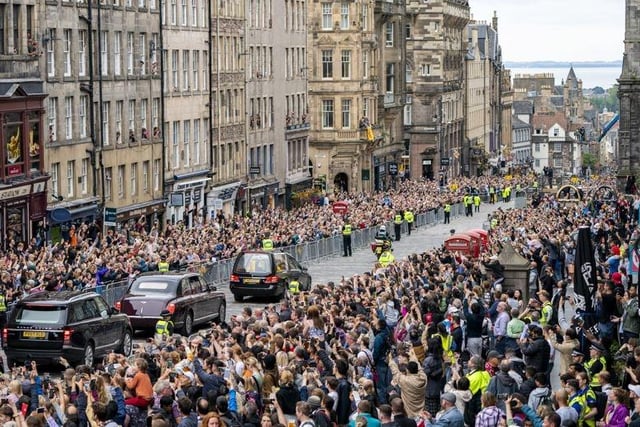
(251, 281)
(34, 334)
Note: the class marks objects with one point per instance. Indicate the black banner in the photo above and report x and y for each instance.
(585, 278)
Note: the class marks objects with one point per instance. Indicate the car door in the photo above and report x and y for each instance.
(183, 299)
(212, 300)
(198, 300)
(112, 331)
(93, 325)
(303, 276)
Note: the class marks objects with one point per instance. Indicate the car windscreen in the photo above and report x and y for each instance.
(45, 315)
(254, 263)
(153, 287)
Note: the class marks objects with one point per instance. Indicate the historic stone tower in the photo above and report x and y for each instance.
(629, 94)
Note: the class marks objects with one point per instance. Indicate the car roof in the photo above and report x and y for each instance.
(177, 275)
(60, 298)
(257, 251)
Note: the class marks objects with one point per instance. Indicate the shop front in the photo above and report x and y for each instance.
(296, 187)
(222, 198)
(146, 214)
(186, 200)
(264, 195)
(61, 216)
(23, 210)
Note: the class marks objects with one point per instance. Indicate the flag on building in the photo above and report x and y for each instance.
(585, 277)
(369, 133)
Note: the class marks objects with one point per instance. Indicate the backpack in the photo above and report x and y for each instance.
(546, 399)
(601, 404)
(308, 423)
(320, 418)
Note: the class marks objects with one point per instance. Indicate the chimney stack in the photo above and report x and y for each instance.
(494, 21)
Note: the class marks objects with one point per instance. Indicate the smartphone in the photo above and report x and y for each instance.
(172, 377)
(169, 363)
(40, 410)
(356, 397)
(87, 387)
(227, 373)
(4, 401)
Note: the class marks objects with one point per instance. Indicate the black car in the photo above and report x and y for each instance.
(188, 297)
(78, 326)
(266, 274)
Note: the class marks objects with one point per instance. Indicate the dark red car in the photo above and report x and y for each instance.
(190, 299)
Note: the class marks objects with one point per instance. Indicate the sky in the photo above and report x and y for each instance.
(556, 30)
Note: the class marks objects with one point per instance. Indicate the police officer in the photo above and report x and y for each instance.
(3, 307)
(595, 365)
(397, 224)
(492, 194)
(476, 202)
(294, 287)
(163, 265)
(164, 327)
(447, 212)
(346, 237)
(267, 244)
(386, 257)
(408, 216)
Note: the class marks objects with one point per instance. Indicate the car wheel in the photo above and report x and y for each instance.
(187, 328)
(127, 343)
(222, 313)
(238, 298)
(89, 355)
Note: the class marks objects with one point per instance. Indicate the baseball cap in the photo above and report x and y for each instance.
(635, 388)
(494, 353)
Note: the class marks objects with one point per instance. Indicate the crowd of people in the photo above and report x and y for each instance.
(436, 339)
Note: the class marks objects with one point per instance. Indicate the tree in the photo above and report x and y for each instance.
(589, 160)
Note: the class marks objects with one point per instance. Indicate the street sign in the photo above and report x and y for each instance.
(393, 169)
(340, 208)
(110, 217)
(254, 170)
(444, 161)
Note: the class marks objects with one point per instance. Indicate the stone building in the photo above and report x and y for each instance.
(629, 94)
(483, 113)
(104, 140)
(23, 181)
(355, 84)
(186, 96)
(434, 126)
(276, 101)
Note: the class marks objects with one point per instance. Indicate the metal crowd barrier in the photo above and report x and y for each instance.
(218, 272)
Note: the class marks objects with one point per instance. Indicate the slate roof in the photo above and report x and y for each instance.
(484, 31)
(522, 107)
(25, 88)
(516, 123)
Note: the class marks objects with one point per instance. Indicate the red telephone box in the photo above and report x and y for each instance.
(484, 235)
(476, 238)
(464, 244)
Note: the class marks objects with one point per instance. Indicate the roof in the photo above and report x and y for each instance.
(572, 75)
(547, 120)
(522, 107)
(489, 49)
(58, 297)
(557, 101)
(516, 123)
(24, 88)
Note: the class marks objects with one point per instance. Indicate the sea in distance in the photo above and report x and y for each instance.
(603, 76)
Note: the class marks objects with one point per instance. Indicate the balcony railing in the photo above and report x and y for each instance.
(19, 66)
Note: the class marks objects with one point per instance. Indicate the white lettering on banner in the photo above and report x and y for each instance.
(12, 193)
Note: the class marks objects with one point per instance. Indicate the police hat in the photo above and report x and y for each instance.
(165, 313)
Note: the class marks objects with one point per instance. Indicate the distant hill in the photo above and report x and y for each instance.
(560, 64)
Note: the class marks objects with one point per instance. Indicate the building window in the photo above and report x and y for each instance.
(194, 13)
(407, 31)
(175, 158)
(346, 64)
(66, 50)
(131, 113)
(327, 113)
(185, 70)
(196, 141)
(71, 165)
(556, 131)
(129, 54)
(51, 53)
(153, 52)
(117, 53)
(52, 116)
(391, 77)
(155, 115)
(346, 113)
(186, 130)
(326, 16)
(174, 12)
(364, 20)
(121, 181)
(144, 106)
(134, 178)
(344, 16)
(327, 64)
(537, 147)
(408, 73)
(105, 121)
(145, 176)
(156, 174)
(107, 183)
(104, 53)
(82, 53)
(68, 117)
(408, 110)
(388, 37)
(55, 179)
(143, 53)
(196, 69)
(82, 179)
(183, 13)
(84, 105)
(425, 70)
(205, 69)
(118, 120)
(174, 70)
